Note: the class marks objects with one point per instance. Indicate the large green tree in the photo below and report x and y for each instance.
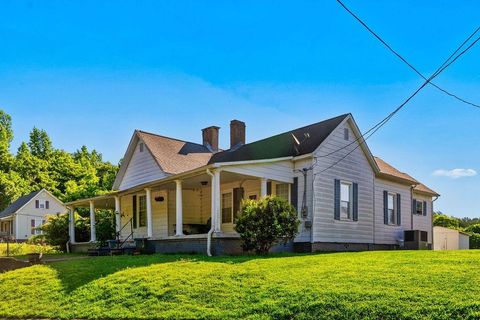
(38, 164)
(6, 136)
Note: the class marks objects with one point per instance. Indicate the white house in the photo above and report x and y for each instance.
(450, 239)
(183, 196)
(21, 218)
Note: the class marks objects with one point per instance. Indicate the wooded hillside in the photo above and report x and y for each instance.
(38, 164)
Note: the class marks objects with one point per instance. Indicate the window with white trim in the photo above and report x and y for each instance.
(346, 200)
(34, 224)
(227, 207)
(282, 191)
(391, 200)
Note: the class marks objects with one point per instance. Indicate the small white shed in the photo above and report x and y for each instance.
(450, 239)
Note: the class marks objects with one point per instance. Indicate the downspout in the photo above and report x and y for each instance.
(212, 224)
(314, 175)
(436, 198)
(411, 205)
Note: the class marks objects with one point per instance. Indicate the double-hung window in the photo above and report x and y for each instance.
(142, 211)
(227, 208)
(282, 190)
(35, 224)
(346, 200)
(391, 204)
(419, 207)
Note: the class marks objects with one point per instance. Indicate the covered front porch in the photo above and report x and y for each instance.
(186, 213)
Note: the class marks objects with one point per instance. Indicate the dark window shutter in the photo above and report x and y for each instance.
(32, 224)
(237, 201)
(294, 193)
(269, 188)
(399, 209)
(414, 206)
(355, 202)
(424, 208)
(47, 204)
(134, 211)
(336, 208)
(37, 204)
(385, 207)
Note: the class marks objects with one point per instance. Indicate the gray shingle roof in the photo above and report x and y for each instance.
(20, 202)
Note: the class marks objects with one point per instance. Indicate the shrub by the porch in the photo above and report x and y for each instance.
(55, 230)
(266, 222)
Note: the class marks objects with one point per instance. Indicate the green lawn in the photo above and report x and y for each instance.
(367, 285)
(18, 249)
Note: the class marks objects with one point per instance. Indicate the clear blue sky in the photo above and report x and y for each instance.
(90, 72)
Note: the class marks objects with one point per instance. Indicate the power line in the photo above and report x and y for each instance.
(401, 106)
(380, 124)
(403, 59)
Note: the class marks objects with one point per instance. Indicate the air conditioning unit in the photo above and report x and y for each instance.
(416, 240)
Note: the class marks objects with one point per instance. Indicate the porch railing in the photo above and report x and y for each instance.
(129, 236)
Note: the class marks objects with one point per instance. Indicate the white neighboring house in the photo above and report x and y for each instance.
(184, 196)
(28, 212)
(450, 239)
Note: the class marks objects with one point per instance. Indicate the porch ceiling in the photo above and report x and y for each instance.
(204, 180)
(101, 202)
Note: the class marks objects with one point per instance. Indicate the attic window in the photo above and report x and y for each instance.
(346, 134)
(141, 147)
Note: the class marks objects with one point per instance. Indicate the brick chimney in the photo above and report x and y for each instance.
(237, 133)
(210, 137)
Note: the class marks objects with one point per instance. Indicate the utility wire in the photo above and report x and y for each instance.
(403, 59)
(377, 127)
(447, 61)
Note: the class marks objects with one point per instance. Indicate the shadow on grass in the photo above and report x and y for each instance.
(78, 272)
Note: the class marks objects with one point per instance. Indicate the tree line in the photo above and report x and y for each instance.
(38, 164)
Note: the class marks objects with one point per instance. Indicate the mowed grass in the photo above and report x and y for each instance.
(18, 249)
(366, 285)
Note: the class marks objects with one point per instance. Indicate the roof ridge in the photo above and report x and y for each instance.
(388, 164)
(166, 137)
(299, 128)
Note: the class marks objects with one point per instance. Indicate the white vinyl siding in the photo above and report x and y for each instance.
(281, 171)
(23, 229)
(159, 215)
(304, 234)
(391, 234)
(421, 222)
(142, 168)
(355, 168)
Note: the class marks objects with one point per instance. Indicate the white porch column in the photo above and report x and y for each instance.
(93, 234)
(71, 224)
(179, 208)
(118, 214)
(263, 187)
(218, 207)
(148, 196)
(16, 226)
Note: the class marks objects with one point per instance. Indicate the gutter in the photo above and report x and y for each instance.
(412, 187)
(212, 227)
(436, 198)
